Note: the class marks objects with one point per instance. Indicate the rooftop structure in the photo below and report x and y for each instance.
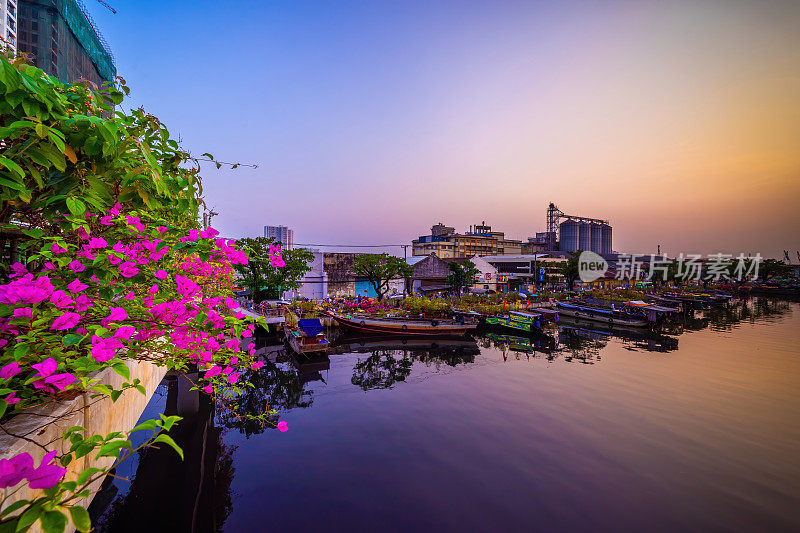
(445, 243)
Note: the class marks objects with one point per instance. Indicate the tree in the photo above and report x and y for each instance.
(462, 275)
(379, 269)
(569, 269)
(773, 269)
(265, 280)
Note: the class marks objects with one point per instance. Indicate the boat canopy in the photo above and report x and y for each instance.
(310, 326)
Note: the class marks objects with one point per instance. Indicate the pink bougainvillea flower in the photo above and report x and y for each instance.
(46, 367)
(240, 315)
(82, 303)
(234, 360)
(23, 312)
(161, 274)
(104, 349)
(154, 289)
(114, 211)
(117, 314)
(257, 365)
(56, 249)
(3, 342)
(82, 233)
(97, 242)
(233, 378)
(213, 372)
(208, 389)
(106, 220)
(125, 332)
(11, 399)
(60, 381)
(47, 475)
(130, 295)
(66, 321)
(14, 470)
(231, 303)
(283, 426)
(128, 269)
(76, 286)
(76, 266)
(233, 344)
(49, 266)
(162, 229)
(10, 370)
(60, 299)
(18, 270)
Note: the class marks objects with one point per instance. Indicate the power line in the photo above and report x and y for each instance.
(349, 245)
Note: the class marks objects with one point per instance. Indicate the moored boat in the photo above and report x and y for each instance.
(402, 326)
(517, 320)
(598, 314)
(308, 337)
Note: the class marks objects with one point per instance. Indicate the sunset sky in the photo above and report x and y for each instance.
(371, 121)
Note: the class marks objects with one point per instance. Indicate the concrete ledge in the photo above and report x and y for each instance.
(45, 424)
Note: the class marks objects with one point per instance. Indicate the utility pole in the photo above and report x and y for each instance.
(405, 258)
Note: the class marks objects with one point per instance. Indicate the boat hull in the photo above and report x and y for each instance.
(299, 348)
(585, 315)
(401, 327)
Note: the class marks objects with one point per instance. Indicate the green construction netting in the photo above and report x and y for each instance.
(87, 37)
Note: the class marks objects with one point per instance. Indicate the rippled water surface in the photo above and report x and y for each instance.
(580, 429)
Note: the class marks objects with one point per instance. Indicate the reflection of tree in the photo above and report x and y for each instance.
(273, 388)
(581, 348)
(751, 310)
(224, 473)
(381, 370)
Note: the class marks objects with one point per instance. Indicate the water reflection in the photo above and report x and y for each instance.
(192, 494)
(542, 416)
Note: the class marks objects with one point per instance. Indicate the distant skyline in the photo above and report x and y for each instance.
(677, 121)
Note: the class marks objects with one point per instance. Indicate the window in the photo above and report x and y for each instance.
(35, 25)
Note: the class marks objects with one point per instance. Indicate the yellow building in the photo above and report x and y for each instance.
(446, 243)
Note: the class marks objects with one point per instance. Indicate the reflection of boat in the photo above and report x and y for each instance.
(309, 367)
(369, 343)
(598, 314)
(542, 343)
(641, 338)
(403, 326)
(516, 320)
(308, 337)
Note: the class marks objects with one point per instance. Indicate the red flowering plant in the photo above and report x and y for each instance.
(113, 268)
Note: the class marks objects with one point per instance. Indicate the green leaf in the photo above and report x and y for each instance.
(168, 440)
(83, 449)
(12, 184)
(112, 449)
(3, 407)
(19, 504)
(30, 516)
(84, 476)
(122, 369)
(147, 424)
(53, 522)
(12, 166)
(71, 339)
(76, 207)
(80, 518)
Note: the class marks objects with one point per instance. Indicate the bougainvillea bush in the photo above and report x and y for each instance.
(113, 266)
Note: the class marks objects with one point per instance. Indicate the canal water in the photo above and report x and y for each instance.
(580, 429)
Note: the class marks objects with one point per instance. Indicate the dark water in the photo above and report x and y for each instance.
(579, 430)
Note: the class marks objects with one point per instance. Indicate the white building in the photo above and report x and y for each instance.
(314, 284)
(8, 23)
(280, 234)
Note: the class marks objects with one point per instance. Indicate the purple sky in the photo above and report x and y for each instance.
(678, 121)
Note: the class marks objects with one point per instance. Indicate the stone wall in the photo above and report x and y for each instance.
(45, 425)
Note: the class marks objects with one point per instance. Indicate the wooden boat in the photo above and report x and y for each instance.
(517, 321)
(402, 326)
(597, 314)
(308, 337)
